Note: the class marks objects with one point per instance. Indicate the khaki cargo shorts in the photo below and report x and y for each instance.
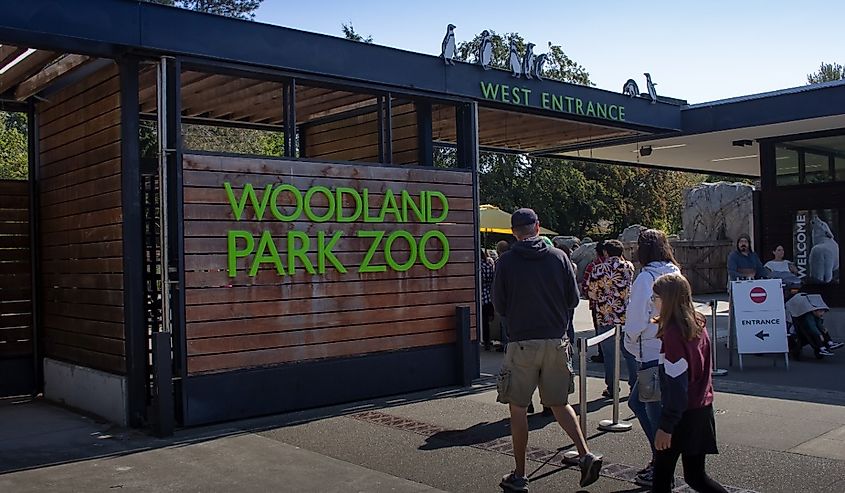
(546, 363)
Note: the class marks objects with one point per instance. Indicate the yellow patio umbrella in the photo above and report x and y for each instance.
(495, 220)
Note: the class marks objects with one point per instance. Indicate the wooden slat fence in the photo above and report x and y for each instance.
(15, 272)
(81, 229)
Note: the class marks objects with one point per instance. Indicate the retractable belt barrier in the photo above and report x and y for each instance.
(614, 425)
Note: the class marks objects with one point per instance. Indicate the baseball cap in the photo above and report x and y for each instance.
(523, 217)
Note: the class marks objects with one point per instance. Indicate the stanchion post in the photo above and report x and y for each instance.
(614, 424)
(714, 340)
(582, 382)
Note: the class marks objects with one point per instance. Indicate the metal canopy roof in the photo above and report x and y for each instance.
(107, 28)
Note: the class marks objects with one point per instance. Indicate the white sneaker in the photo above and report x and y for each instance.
(825, 352)
(835, 345)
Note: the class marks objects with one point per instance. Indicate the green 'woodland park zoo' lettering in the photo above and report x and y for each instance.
(521, 96)
(319, 204)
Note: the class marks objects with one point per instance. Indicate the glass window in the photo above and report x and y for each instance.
(816, 168)
(839, 164)
(786, 164)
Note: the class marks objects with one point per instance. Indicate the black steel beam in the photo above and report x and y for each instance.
(34, 163)
(175, 220)
(135, 336)
(289, 102)
(425, 133)
(467, 154)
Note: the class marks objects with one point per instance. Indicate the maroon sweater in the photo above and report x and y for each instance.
(685, 376)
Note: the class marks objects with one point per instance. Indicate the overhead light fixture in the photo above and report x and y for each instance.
(17, 60)
(674, 146)
(732, 158)
(742, 143)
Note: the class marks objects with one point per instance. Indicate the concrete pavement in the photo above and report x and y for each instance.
(778, 431)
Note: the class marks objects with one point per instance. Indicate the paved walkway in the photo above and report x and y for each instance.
(778, 431)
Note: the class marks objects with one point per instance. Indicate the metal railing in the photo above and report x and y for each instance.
(714, 340)
(614, 425)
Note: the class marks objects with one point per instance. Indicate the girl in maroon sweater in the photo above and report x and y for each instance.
(687, 427)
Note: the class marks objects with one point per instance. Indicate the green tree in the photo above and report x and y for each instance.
(558, 65)
(14, 164)
(349, 33)
(241, 9)
(826, 73)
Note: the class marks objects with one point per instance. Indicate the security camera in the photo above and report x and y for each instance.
(645, 151)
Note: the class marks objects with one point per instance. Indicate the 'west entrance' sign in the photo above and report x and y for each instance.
(523, 96)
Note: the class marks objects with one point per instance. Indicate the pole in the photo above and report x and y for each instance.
(615, 425)
(716, 371)
(162, 193)
(582, 383)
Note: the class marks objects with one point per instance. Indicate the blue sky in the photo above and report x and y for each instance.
(695, 50)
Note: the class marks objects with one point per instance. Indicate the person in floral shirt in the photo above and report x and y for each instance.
(487, 268)
(609, 287)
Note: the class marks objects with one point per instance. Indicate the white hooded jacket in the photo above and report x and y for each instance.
(639, 329)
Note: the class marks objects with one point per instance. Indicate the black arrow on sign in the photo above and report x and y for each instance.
(762, 335)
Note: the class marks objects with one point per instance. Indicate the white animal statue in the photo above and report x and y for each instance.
(485, 50)
(448, 50)
(514, 60)
(824, 256)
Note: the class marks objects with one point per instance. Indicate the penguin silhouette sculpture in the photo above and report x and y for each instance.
(539, 64)
(513, 60)
(631, 89)
(528, 61)
(652, 92)
(485, 50)
(448, 49)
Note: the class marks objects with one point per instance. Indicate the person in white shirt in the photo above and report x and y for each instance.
(642, 347)
(779, 264)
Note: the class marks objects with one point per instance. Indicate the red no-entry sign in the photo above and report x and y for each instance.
(758, 295)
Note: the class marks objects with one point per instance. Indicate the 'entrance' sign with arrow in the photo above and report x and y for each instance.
(759, 316)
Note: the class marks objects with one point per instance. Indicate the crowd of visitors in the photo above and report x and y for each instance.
(666, 348)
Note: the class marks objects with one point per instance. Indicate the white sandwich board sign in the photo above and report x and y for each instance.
(760, 316)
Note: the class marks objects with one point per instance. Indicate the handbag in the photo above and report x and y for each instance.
(648, 380)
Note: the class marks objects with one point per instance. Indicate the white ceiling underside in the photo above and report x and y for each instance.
(709, 152)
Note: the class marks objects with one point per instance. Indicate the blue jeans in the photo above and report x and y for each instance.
(648, 413)
(607, 349)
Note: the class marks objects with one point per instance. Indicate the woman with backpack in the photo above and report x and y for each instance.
(642, 347)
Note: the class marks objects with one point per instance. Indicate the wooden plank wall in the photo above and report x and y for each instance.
(267, 319)
(81, 223)
(356, 138)
(15, 271)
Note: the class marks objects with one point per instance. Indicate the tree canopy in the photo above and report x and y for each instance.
(827, 72)
(241, 9)
(349, 33)
(13, 146)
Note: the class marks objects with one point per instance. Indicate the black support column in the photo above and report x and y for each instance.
(135, 334)
(467, 156)
(289, 102)
(425, 133)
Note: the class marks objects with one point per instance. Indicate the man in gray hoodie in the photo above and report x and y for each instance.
(535, 289)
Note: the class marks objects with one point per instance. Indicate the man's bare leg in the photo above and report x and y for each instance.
(519, 435)
(568, 420)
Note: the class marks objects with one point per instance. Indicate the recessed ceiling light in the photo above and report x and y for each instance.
(732, 158)
(675, 146)
(17, 60)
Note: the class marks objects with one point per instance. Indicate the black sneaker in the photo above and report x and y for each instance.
(825, 352)
(835, 345)
(645, 477)
(530, 408)
(590, 468)
(649, 467)
(607, 394)
(512, 482)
